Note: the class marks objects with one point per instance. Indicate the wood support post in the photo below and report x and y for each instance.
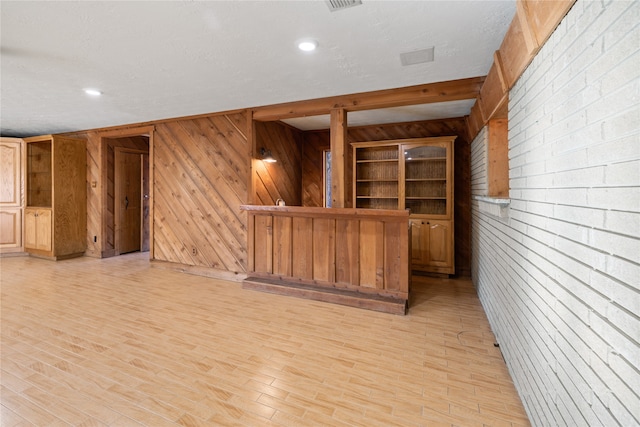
(339, 159)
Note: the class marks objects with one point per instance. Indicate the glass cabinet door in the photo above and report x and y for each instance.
(426, 178)
(39, 174)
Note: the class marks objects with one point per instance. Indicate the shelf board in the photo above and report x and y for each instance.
(377, 197)
(424, 179)
(425, 198)
(377, 161)
(378, 180)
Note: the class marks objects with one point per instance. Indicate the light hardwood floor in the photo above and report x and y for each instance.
(115, 342)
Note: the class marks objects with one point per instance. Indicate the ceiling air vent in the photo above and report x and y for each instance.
(341, 4)
(417, 56)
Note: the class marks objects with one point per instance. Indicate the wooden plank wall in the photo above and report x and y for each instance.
(201, 173)
(281, 180)
(317, 141)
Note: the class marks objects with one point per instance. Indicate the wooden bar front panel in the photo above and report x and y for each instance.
(371, 254)
(302, 246)
(282, 254)
(262, 244)
(323, 249)
(347, 243)
(355, 249)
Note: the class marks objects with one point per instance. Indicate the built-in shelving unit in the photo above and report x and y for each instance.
(413, 174)
(56, 209)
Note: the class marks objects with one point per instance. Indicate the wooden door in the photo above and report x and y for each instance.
(432, 245)
(128, 198)
(44, 230)
(38, 226)
(11, 195)
(419, 242)
(439, 244)
(30, 240)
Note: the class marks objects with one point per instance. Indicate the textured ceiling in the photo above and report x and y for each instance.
(156, 60)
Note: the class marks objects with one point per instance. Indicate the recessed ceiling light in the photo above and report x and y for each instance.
(92, 92)
(307, 45)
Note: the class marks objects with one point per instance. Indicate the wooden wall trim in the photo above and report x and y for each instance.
(253, 150)
(151, 196)
(452, 90)
(497, 158)
(532, 25)
(126, 131)
(214, 273)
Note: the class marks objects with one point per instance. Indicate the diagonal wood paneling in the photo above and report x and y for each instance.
(95, 211)
(201, 169)
(315, 143)
(281, 180)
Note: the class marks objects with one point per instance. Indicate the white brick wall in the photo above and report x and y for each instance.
(479, 183)
(560, 277)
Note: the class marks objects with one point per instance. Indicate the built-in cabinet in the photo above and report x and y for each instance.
(56, 194)
(432, 245)
(38, 229)
(414, 174)
(11, 195)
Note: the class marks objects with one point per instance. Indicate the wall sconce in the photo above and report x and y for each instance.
(266, 155)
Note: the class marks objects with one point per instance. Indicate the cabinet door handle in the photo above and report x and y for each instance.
(126, 202)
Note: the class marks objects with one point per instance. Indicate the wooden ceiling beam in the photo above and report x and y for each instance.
(453, 90)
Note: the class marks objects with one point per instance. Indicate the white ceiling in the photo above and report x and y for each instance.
(156, 60)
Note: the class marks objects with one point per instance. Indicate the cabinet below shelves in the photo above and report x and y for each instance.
(431, 249)
(37, 234)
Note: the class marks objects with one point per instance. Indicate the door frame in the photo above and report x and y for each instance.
(147, 131)
(116, 194)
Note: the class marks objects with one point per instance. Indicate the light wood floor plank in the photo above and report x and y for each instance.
(117, 342)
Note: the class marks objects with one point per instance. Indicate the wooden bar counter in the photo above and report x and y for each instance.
(357, 257)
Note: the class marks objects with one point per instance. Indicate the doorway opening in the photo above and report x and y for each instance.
(126, 217)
